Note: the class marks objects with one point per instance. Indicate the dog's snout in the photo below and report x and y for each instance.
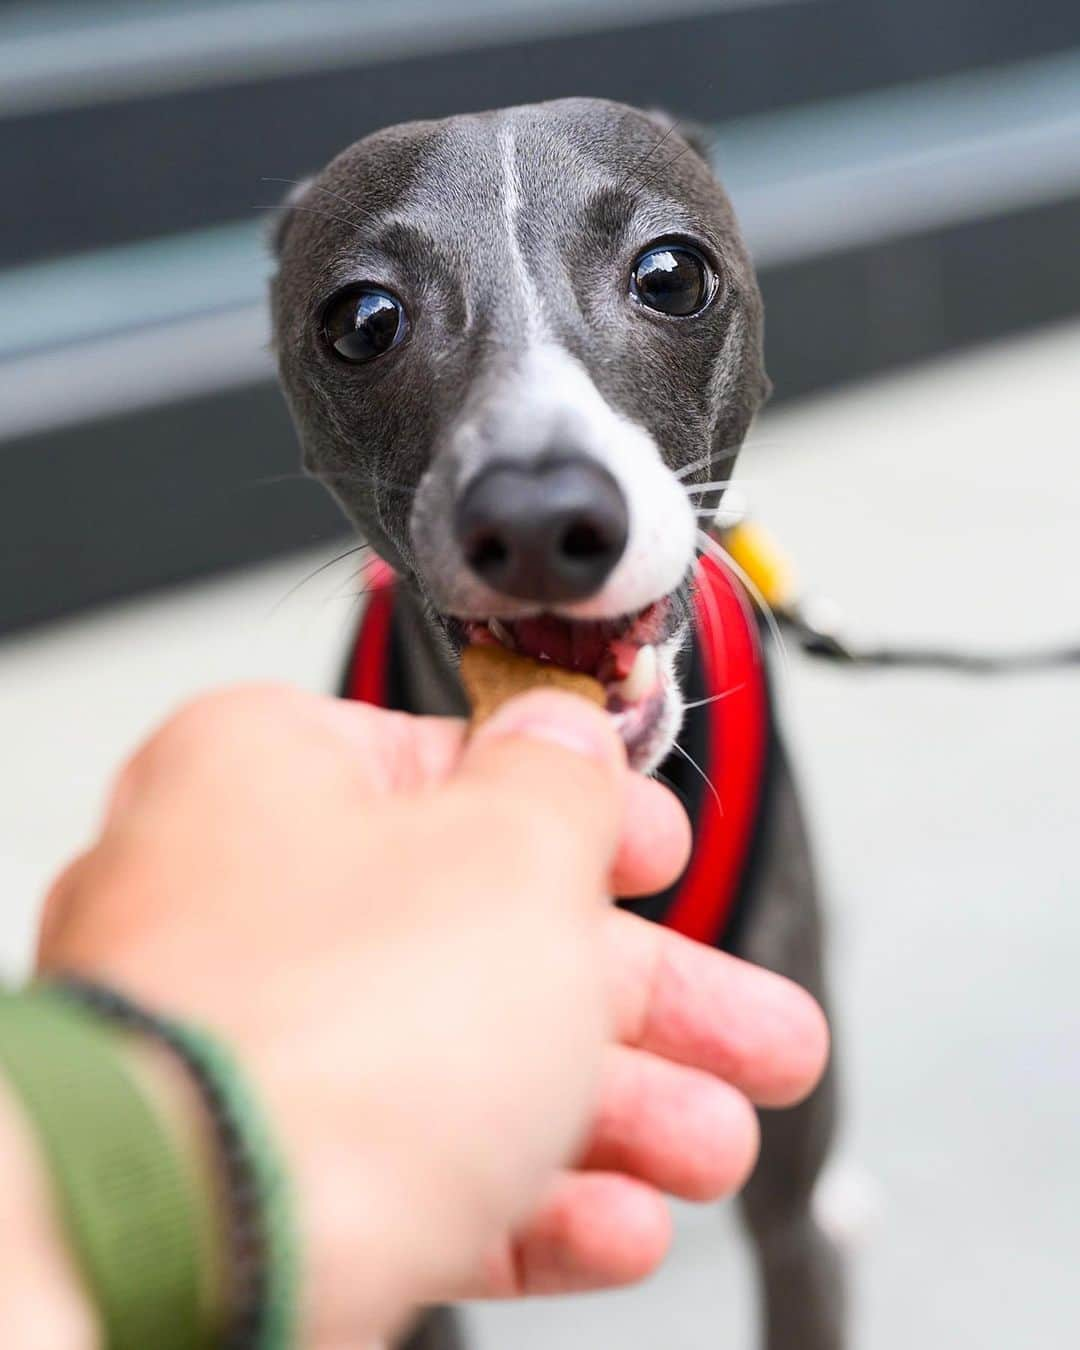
(551, 531)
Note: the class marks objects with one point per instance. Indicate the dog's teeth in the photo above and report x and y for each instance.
(642, 677)
(500, 633)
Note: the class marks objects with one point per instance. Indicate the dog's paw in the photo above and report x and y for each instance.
(848, 1203)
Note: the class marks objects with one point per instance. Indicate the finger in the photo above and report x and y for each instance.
(592, 1231)
(677, 1128)
(402, 753)
(396, 751)
(700, 1007)
(550, 761)
(655, 841)
(256, 728)
(56, 906)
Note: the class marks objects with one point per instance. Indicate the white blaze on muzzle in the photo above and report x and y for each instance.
(552, 397)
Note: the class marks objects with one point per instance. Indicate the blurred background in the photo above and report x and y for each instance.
(908, 177)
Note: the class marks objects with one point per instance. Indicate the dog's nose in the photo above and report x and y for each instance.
(551, 531)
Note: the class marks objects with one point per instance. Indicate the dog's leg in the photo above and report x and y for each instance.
(437, 1329)
(800, 1268)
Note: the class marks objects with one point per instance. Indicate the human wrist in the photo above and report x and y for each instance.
(131, 1155)
(241, 1290)
(43, 1301)
(184, 1115)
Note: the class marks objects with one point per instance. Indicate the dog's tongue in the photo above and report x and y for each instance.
(621, 654)
(576, 646)
(595, 648)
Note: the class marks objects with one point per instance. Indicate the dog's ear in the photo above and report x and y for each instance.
(697, 136)
(282, 219)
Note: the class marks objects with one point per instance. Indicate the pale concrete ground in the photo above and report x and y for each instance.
(944, 503)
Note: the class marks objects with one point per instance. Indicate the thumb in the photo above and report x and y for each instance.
(558, 761)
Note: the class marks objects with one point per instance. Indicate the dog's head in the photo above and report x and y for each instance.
(511, 343)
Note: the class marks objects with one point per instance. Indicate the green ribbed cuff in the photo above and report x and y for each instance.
(124, 1191)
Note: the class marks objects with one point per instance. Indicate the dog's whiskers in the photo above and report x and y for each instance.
(356, 479)
(714, 698)
(309, 211)
(368, 586)
(388, 485)
(270, 479)
(656, 145)
(717, 485)
(699, 770)
(366, 480)
(719, 554)
(685, 470)
(713, 457)
(711, 514)
(663, 168)
(314, 187)
(672, 788)
(322, 567)
(692, 467)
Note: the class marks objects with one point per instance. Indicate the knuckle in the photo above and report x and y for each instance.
(57, 905)
(126, 782)
(211, 721)
(233, 705)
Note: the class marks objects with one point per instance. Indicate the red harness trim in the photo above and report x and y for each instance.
(737, 722)
(738, 730)
(369, 665)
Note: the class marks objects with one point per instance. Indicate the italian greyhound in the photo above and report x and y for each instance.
(522, 349)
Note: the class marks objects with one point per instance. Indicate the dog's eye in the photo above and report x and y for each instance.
(674, 279)
(364, 322)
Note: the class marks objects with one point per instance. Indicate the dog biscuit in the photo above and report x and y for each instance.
(491, 675)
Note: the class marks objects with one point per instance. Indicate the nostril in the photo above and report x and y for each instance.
(584, 540)
(485, 552)
(548, 532)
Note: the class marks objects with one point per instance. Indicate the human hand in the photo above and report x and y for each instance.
(399, 936)
(288, 869)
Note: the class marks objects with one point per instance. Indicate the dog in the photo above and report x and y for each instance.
(522, 349)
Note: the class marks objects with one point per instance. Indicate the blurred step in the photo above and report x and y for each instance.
(156, 119)
(137, 404)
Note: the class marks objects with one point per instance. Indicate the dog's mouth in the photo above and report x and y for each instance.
(622, 654)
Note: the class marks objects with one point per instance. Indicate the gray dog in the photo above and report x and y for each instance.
(516, 345)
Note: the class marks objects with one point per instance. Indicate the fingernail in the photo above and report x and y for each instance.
(557, 718)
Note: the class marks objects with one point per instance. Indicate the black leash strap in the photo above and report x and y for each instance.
(830, 646)
(756, 558)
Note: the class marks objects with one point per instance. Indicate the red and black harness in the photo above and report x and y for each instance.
(729, 734)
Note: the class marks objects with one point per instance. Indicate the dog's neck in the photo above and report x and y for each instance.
(431, 684)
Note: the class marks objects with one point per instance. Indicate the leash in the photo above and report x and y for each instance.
(816, 627)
